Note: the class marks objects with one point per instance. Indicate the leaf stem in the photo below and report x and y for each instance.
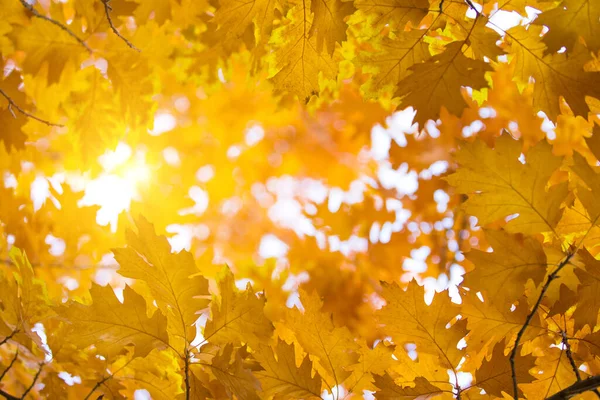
(37, 14)
(12, 104)
(107, 10)
(513, 352)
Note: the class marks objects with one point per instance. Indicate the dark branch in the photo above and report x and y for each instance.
(10, 365)
(12, 104)
(513, 353)
(37, 14)
(35, 378)
(577, 388)
(187, 375)
(565, 342)
(8, 395)
(6, 339)
(107, 10)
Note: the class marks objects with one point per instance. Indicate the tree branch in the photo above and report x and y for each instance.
(577, 388)
(513, 352)
(107, 10)
(8, 395)
(565, 342)
(35, 378)
(37, 14)
(12, 104)
(6, 339)
(187, 375)
(10, 365)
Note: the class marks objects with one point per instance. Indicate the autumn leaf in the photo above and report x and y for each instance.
(389, 390)
(437, 82)
(495, 375)
(329, 22)
(503, 273)
(569, 21)
(111, 325)
(173, 278)
(408, 319)
(555, 75)
(229, 370)
(237, 317)
(499, 185)
(282, 377)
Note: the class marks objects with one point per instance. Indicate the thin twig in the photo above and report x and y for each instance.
(107, 10)
(37, 14)
(35, 378)
(12, 104)
(6, 339)
(187, 374)
(565, 342)
(98, 384)
(10, 365)
(513, 352)
(577, 388)
(8, 395)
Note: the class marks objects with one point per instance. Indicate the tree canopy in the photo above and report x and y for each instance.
(285, 199)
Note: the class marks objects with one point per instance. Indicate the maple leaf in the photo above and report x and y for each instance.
(499, 185)
(300, 60)
(237, 316)
(504, 272)
(173, 279)
(389, 390)
(233, 17)
(588, 196)
(437, 82)
(489, 323)
(391, 58)
(333, 346)
(372, 362)
(329, 22)
(568, 21)
(408, 319)
(395, 12)
(555, 75)
(495, 375)
(111, 325)
(282, 377)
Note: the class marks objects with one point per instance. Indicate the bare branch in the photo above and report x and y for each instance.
(513, 352)
(107, 10)
(6, 339)
(10, 365)
(35, 378)
(565, 342)
(577, 388)
(12, 105)
(8, 395)
(37, 14)
(187, 374)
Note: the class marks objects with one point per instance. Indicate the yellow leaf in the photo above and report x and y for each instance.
(570, 20)
(389, 390)
(282, 378)
(408, 319)
(502, 274)
(173, 278)
(237, 317)
(329, 22)
(499, 185)
(397, 13)
(555, 75)
(333, 346)
(438, 81)
(300, 60)
(228, 368)
(110, 325)
(495, 375)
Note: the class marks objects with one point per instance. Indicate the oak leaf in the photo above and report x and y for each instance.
(282, 377)
(173, 278)
(389, 390)
(237, 316)
(111, 325)
(499, 185)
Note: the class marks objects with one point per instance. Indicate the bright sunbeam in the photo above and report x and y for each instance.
(125, 172)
